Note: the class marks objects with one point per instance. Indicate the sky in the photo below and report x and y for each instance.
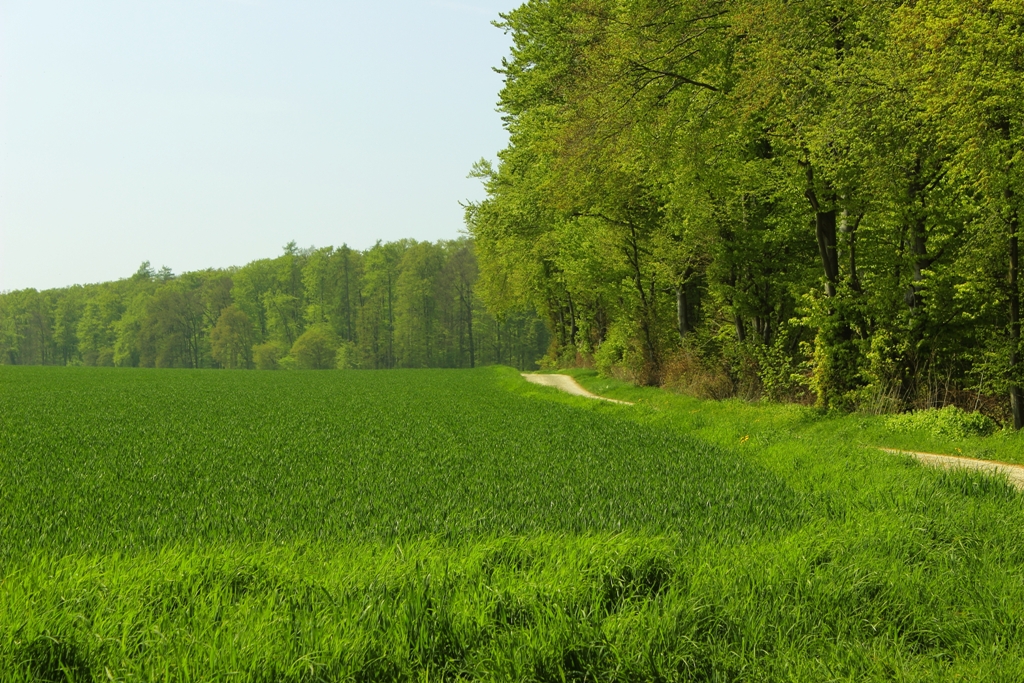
(208, 133)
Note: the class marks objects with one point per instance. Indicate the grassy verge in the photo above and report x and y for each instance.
(814, 607)
(470, 526)
(728, 422)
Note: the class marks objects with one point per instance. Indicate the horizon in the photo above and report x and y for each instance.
(157, 267)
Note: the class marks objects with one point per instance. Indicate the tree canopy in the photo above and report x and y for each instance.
(399, 304)
(757, 197)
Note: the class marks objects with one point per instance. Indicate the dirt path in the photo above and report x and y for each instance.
(1014, 473)
(568, 385)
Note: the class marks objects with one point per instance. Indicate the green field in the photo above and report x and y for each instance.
(463, 525)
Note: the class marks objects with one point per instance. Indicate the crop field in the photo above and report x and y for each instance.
(463, 525)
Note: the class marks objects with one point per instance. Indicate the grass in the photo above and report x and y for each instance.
(729, 421)
(174, 525)
(99, 461)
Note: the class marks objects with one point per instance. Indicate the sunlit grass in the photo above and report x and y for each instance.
(731, 420)
(465, 525)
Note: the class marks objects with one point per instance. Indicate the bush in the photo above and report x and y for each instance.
(267, 356)
(613, 351)
(625, 355)
(687, 373)
(316, 349)
(949, 421)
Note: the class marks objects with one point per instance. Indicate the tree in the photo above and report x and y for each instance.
(66, 316)
(315, 349)
(96, 332)
(128, 346)
(252, 283)
(457, 299)
(231, 339)
(416, 325)
(173, 332)
(381, 270)
(415, 304)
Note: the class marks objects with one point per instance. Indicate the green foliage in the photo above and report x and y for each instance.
(231, 338)
(315, 349)
(837, 356)
(618, 350)
(780, 376)
(345, 356)
(267, 356)
(402, 304)
(949, 421)
(698, 169)
(95, 331)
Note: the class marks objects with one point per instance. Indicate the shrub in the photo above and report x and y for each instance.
(231, 338)
(315, 349)
(949, 421)
(267, 356)
(687, 373)
(621, 353)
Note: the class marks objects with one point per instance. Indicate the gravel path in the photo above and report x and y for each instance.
(568, 385)
(1014, 473)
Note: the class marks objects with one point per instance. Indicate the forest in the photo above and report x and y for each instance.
(402, 304)
(815, 201)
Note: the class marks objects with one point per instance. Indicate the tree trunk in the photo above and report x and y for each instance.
(1016, 396)
(469, 322)
(681, 305)
(919, 248)
(390, 360)
(348, 297)
(647, 314)
(825, 233)
(573, 330)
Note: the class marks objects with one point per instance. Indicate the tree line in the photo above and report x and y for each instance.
(808, 201)
(402, 304)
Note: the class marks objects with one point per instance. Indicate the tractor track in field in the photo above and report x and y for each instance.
(1014, 473)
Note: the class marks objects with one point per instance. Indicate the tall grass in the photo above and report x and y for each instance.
(467, 526)
(104, 460)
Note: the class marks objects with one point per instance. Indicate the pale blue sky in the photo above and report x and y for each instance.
(208, 133)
